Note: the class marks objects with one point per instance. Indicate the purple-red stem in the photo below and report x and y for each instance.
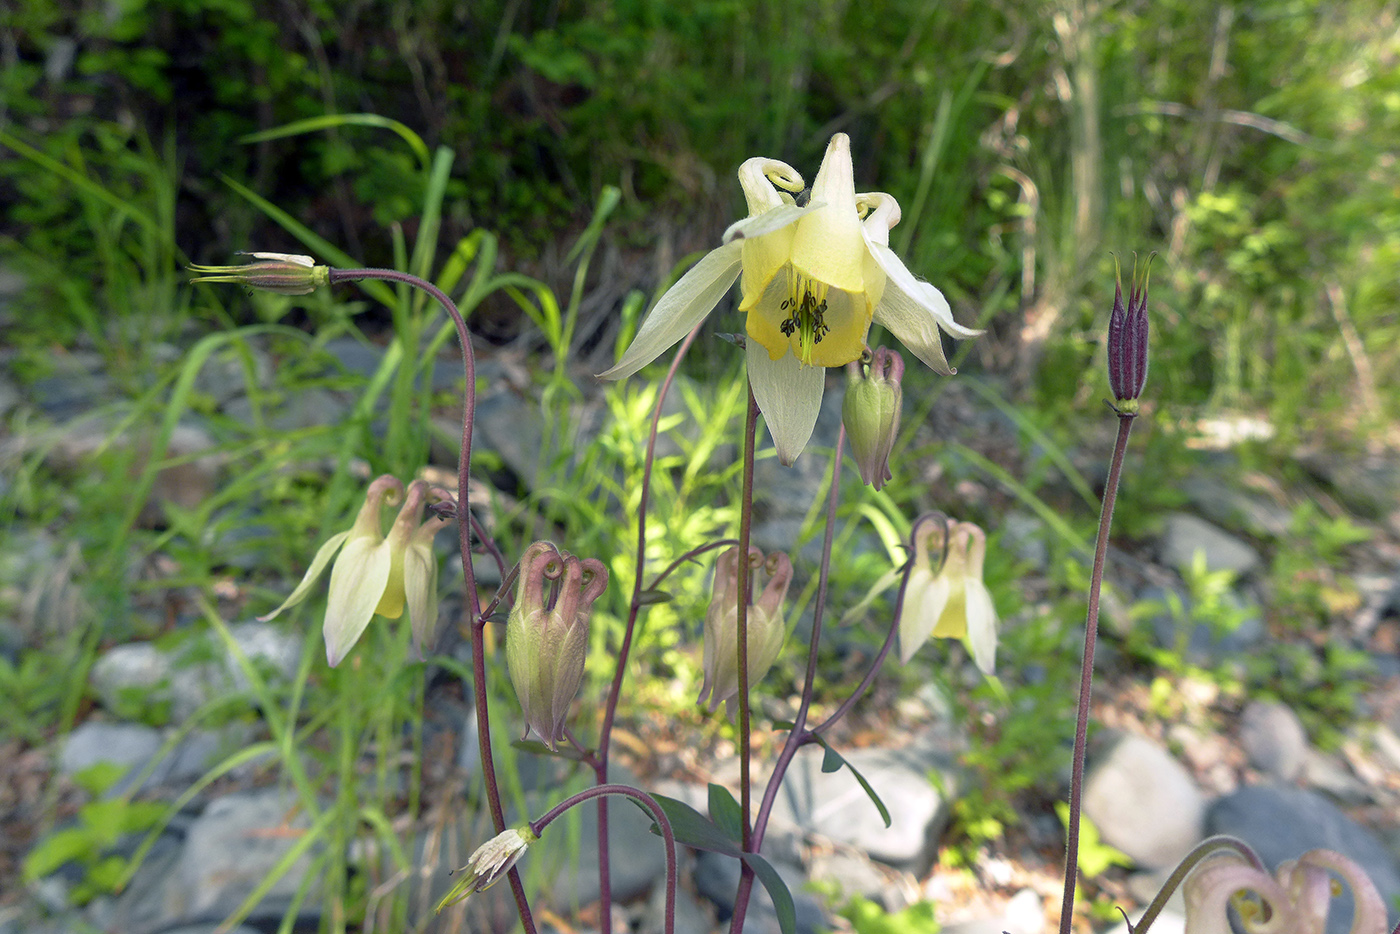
(1086, 671)
(600, 760)
(464, 454)
(601, 792)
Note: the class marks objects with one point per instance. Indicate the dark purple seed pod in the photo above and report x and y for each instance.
(1127, 341)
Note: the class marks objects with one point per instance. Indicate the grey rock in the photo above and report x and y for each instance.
(1185, 534)
(636, 856)
(1283, 823)
(1168, 922)
(833, 804)
(1221, 503)
(9, 396)
(183, 677)
(1328, 774)
(226, 373)
(691, 916)
(308, 407)
(356, 357)
(130, 674)
(849, 873)
(1143, 802)
(230, 849)
(1274, 740)
(1023, 914)
(124, 744)
(1203, 642)
(1367, 483)
(78, 380)
(1025, 534)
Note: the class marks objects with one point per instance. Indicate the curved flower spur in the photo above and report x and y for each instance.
(814, 277)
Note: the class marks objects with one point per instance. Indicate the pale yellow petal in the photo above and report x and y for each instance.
(313, 573)
(357, 582)
(828, 245)
(684, 305)
(762, 179)
(981, 626)
(790, 397)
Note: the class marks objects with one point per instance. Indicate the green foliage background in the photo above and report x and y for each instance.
(1252, 147)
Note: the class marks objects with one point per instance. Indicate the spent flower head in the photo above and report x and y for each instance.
(814, 276)
(1127, 339)
(1294, 900)
(765, 624)
(871, 413)
(951, 601)
(286, 273)
(375, 573)
(488, 863)
(547, 634)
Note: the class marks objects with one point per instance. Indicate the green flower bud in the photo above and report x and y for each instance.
(870, 413)
(765, 625)
(286, 273)
(547, 634)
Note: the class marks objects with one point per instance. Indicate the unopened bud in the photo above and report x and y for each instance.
(871, 411)
(1127, 340)
(285, 273)
(547, 634)
(765, 625)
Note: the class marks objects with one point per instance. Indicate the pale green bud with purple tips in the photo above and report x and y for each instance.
(766, 629)
(547, 634)
(871, 413)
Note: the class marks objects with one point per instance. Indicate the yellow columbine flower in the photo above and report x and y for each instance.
(375, 573)
(814, 277)
(952, 602)
(492, 859)
(1294, 900)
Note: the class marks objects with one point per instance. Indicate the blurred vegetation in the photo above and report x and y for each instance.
(562, 160)
(1251, 146)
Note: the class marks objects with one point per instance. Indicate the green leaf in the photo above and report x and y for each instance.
(725, 812)
(693, 828)
(833, 760)
(697, 831)
(777, 890)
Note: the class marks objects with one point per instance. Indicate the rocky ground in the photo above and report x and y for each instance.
(1216, 762)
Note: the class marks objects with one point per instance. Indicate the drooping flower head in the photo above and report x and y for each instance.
(814, 277)
(871, 413)
(547, 634)
(488, 863)
(377, 574)
(284, 273)
(1294, 900)
(951, 601)
(765, 624)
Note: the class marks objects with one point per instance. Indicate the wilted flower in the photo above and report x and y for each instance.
(814, 276)
(547, 634)
(1127, 339)
(491, 860)
(952, 602)
(871, 412)
(1295, 900)
(765, 624)
(287, 273)
(377, 574)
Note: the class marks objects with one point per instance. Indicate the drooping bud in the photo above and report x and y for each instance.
(547, 634)
(285, 273)
(1127, 340)
(765, 625)
(488, 863)
(871, 412)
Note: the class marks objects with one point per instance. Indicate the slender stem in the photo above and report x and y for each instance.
(600, 762)
(798, 736)
(662, 822)
(741, 898)
(464, 455)
(1086, 671)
